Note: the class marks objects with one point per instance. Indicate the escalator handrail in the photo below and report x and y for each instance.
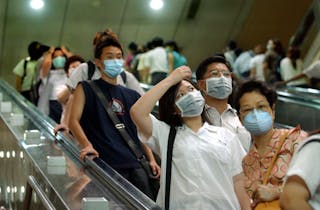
(297, 99)
(126, 190)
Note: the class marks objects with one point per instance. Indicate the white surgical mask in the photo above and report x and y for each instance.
(191, 104)
(219, 87)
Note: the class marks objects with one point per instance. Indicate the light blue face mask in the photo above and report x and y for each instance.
(59, 62)
(220, 87)
(113, 68)
(191, 104)
(258, 122)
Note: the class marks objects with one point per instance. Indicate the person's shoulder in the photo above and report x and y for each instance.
(296, 133)
(255, 58)
(285, 60)
(312, 141)
(19, 67)
(21, 62)
(83, 67)
(129, 74)
(316, 64)
(261, 56)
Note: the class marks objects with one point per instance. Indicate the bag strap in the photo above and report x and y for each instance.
(172, 136)
(123, 77)
(274, 158)
(25, 62)
(122, 129)
(91, 69)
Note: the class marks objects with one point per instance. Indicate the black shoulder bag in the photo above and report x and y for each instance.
(125, 136)
(172, 136)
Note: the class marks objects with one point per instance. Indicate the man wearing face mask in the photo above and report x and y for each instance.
(92, 126)
(89, 71)
(214, 79)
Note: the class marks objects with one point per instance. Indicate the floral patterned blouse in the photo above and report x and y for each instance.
(255, 166)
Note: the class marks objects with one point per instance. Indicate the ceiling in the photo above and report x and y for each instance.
(200, 31)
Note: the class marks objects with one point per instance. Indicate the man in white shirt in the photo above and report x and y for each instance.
(256, 67)
(214, 79)
(156, 61)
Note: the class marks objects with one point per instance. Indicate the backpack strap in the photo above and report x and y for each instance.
(124, 77)
(91, 69)
(172, 136)
(25, 62)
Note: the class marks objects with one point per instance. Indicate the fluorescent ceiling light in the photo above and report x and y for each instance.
(36, 4)
(156, 4)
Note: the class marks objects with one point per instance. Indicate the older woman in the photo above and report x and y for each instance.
(255, 103)
(206, 160)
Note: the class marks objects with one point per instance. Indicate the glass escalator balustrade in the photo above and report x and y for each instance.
(87, 178)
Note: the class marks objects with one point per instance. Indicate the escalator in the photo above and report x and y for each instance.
(298, 106)
(42, 171)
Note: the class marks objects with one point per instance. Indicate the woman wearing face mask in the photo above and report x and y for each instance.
(64, 94)
(255, 103)
(53, 78)
(206, 161)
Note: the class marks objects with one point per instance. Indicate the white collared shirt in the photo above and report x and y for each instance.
(203, 166)
(304, 164)
(313, 70)
(230, 120)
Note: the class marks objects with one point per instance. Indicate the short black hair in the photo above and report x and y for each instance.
(258, 86)
(133, 46)
(36, 49)
(172, 44)
(202, 68)
(157, 42)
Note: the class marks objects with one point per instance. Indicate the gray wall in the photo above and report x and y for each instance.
(73, 23)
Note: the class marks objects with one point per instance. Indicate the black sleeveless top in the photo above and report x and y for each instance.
(100, 130)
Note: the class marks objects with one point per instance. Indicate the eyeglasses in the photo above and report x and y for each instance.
(218, 73)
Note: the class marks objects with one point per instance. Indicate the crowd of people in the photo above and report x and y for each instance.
(274, 65)
(213, 154)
